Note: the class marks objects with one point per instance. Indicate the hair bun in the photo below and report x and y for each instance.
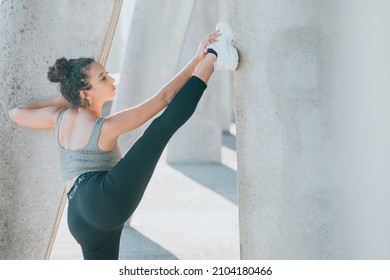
(59, 71)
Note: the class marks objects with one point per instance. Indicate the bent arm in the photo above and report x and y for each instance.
(39, 114)
(130, 119)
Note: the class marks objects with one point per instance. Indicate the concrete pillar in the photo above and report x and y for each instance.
(117, 52)
(312, 129)
(226, 102)
(155, 38)
(199, 141)
(32, 35)
(362, 82)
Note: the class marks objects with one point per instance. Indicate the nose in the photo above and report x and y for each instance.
(116, 79)
(112, 81)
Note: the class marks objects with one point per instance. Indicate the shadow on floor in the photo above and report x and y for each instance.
(217, 177)
(136, 246)
(229, 141)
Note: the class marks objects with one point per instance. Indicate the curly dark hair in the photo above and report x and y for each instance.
(72, 76)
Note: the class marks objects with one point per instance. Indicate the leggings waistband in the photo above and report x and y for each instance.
(76, 184)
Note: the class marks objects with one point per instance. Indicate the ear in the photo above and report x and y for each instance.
(83, 94)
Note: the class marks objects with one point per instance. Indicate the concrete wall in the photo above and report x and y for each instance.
(226, 101)
(117, 52)
(312, 129)
(363, 124)
(32, 35)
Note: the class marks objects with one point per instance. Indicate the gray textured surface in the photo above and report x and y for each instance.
(32, 35)
(312, 129)
(289, 207)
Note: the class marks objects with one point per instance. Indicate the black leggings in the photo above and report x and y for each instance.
(101, 202)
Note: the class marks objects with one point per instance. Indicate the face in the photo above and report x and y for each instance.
(103, 88)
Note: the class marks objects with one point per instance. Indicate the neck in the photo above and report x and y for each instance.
(96, 109)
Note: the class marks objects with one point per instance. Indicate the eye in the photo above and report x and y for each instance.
(105, 76)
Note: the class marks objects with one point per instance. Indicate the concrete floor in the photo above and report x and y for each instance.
(189, 212)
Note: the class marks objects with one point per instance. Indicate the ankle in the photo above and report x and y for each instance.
(210, 50)
(211, 57)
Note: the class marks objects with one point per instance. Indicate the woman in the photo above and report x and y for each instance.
(103, 188)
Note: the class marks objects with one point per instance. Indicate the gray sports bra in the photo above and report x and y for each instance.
(90, 158)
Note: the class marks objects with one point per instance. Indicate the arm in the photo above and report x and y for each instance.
(39, 114)
(132, 118)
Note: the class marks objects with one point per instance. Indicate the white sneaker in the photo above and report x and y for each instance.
(227, 53)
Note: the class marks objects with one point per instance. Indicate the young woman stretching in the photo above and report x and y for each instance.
(103, 188)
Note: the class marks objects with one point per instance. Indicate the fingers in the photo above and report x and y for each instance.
(212, 36)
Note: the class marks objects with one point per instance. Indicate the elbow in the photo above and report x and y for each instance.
(168, 96)
(168, 100)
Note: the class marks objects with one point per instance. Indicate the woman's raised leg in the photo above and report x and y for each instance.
(128, 180)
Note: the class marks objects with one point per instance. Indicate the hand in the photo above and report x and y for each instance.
(210, 38)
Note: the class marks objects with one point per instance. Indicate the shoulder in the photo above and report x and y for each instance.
(109, 125)
(57, 116)
(108, 134)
